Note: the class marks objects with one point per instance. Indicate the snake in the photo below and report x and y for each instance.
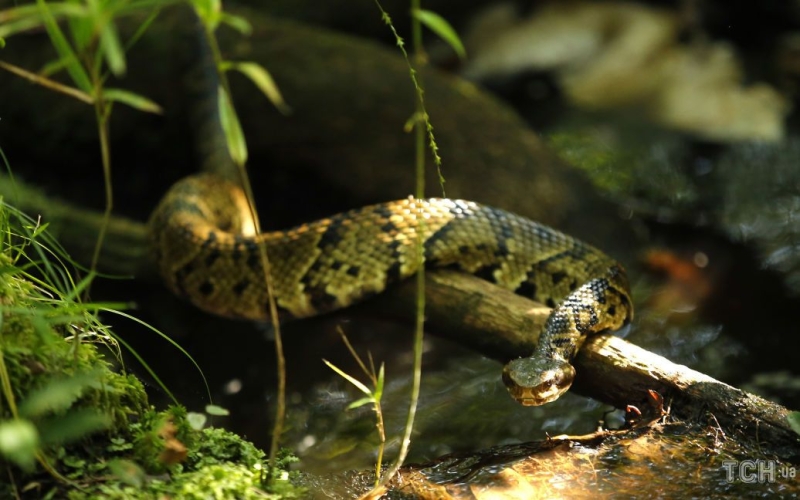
(207, 250)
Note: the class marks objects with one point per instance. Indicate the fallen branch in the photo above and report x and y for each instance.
(489, 319)
(503, 325)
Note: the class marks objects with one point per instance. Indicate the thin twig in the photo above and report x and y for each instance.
(48, 83)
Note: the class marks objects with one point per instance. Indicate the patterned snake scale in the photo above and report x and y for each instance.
(207, 251)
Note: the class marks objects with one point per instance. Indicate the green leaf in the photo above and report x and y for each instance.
(238, 23)
(19, 442)
(82, 29)
(217, 410)
(58, 9)
(196, 420)
(62, 46)
(262, 79)
(207, 7)
(112, 49)
(144, 25)
(237, 147)
(74, 462)
(415, 120)
(74, 425)
(360, 402)
(127, 472)
(118, 444)
(58, 394)
(12, 28)
(133, 100)
(794, 421)
(25, 17)
(361, 387)
(208, 11)
(379, 384)
(441, 27)
(20, 12)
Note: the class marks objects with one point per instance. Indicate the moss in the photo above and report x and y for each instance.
(218, 446)
(88, 430)
(219, 481)
(216, 465)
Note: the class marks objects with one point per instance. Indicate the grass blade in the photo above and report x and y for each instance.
(442, 28)
(64, 49)
(361, 387)
(61, 9)
(237, 146)
(112, 49)
(379, 384)
(238, 23)
(262, 79)
(149, 370)
(80, 287)
(360, 402)
(12, 28)
(133, 100)
(165, 337)
(145, 25)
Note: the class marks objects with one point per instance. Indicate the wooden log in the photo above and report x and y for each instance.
(478, 314)
(489, 319)
(502, 325)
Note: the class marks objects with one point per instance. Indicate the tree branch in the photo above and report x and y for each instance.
(473, 312)
(503, 325)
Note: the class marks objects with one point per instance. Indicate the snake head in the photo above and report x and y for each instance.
(536, 380)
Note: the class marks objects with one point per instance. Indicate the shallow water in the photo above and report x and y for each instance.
(727, 214)
(668, 461)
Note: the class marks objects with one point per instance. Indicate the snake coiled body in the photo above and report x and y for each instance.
(207, 251)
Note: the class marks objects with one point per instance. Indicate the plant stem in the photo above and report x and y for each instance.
(419, 329)
(244, 179)
(5, 381)
(382, 446)
(102, 130)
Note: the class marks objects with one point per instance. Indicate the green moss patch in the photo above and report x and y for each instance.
(71, 424)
